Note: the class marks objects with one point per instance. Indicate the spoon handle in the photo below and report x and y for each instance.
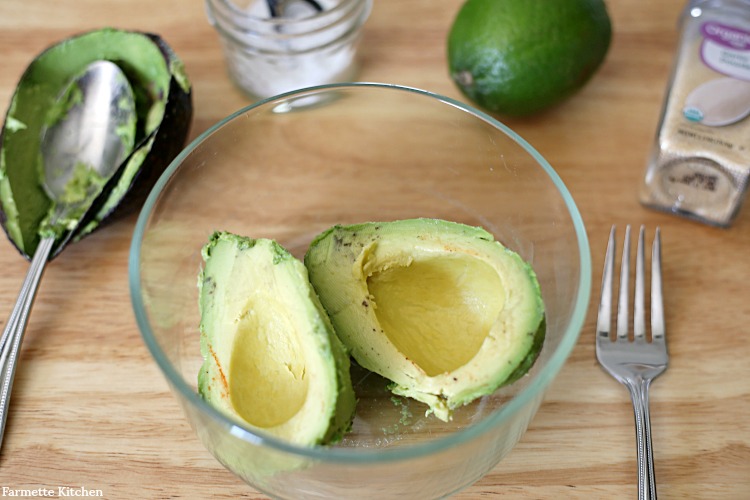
(10, 343)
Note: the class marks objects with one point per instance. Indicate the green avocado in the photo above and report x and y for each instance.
(441, 309)
(271, 357)
(164, 112)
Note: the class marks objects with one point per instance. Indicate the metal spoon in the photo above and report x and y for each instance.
(90, 134)
(278, 7)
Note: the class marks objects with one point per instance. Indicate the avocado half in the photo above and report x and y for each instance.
(271, 357)
(164, 113)
(441, 309)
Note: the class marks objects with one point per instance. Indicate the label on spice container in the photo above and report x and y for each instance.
(726, 49)
(701, 161)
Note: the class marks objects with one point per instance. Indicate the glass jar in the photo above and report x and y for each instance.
(305, 43)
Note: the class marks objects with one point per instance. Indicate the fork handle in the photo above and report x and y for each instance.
(646, 478)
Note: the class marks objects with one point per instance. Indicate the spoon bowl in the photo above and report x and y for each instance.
(92, 133)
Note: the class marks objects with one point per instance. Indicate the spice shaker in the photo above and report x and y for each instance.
(700, 163)
(275, 46)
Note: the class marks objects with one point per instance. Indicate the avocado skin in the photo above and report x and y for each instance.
(531, 357)
(169, 138)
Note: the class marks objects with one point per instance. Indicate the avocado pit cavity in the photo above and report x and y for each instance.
(267, 379)
(437, 311)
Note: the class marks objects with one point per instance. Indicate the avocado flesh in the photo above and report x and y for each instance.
(439, 308)
(271, 358)
(422, 305)
(277, 369)
(151, 70)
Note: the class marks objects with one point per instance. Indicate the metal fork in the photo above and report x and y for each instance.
(635, 361)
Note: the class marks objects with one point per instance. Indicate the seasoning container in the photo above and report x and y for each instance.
(700, 163)
(274, 46)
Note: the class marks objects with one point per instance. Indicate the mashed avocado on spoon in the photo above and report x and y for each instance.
(84, 180)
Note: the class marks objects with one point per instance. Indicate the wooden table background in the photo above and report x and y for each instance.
(91, 409)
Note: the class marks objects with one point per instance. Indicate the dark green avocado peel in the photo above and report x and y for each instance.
(164, 113)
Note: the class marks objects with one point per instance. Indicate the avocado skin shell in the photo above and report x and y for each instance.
(171, 137)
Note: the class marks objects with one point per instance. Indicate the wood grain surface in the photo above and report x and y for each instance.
(90, 409)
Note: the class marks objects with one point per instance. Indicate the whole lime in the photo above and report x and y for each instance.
(519, 57)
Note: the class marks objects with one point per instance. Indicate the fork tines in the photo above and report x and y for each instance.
(623, 313)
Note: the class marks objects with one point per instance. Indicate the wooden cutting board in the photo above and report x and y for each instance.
(90, 409)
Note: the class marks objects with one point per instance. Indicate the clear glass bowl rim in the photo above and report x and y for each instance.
(357, 455)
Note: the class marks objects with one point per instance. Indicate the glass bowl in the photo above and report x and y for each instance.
(291, 166)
